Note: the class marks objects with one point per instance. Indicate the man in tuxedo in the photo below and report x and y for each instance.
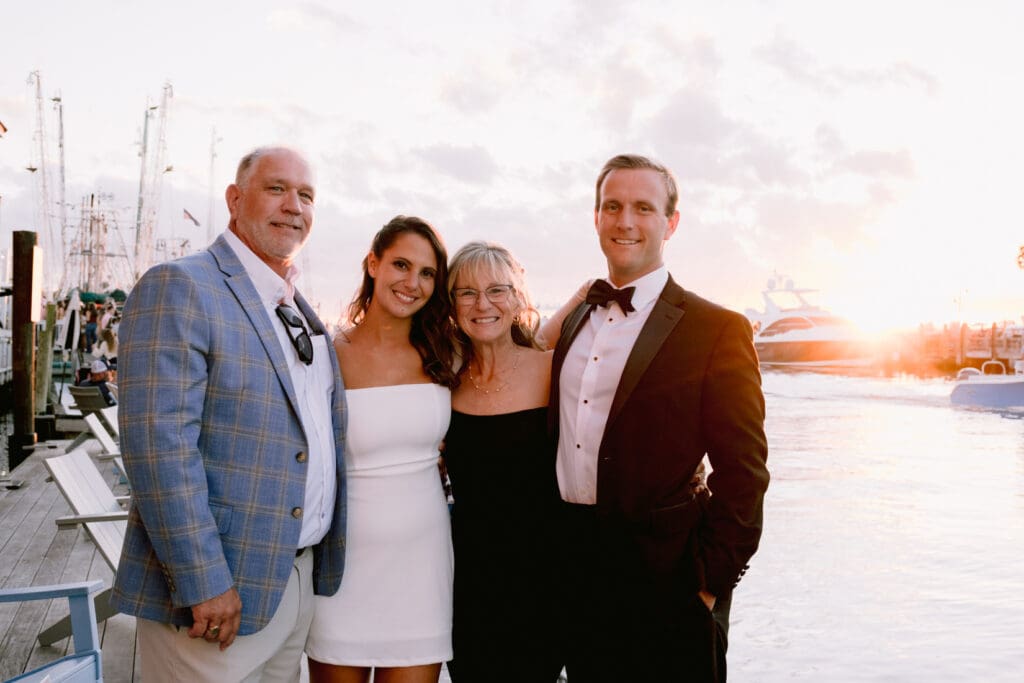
(232, 422)
(648, 378)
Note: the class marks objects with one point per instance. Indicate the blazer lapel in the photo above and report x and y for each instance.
(570, 328)
(315, 324)
(665, 315)
(241, 286)
(338, 406)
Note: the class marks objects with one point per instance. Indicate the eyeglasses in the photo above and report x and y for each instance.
(496, 294)
(301, 341)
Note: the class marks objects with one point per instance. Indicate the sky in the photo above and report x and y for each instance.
(869, 150)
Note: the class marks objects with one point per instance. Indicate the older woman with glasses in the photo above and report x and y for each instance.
(501, 463)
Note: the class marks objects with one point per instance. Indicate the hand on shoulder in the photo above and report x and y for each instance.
(551, 330)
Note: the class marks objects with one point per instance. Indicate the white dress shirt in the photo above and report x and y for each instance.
(314, 389)
(588, 382)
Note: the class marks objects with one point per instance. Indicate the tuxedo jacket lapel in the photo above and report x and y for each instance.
(665, 315)
(570, 328)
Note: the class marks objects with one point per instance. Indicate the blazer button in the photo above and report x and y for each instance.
(300, 456)
(297, 513)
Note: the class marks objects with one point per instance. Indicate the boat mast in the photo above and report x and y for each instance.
(94, 252)
(142, 188)
(58, 105)
(150, 180)
(51, 252)
(95, 263)
(209, 209)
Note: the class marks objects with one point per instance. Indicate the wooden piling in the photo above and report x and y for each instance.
(23, 345)
(44, 359)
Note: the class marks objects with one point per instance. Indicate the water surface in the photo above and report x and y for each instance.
(893, 538)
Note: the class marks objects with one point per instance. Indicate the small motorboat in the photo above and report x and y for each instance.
(989, 387)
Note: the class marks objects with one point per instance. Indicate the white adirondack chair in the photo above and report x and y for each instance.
(97, 508)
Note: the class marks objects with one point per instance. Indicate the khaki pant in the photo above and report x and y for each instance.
(271, 655)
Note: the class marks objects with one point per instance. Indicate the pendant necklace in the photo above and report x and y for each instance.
(503, 385)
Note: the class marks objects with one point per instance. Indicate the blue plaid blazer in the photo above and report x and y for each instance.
(213, 446)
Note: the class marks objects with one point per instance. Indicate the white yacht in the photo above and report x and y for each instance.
(791, 331)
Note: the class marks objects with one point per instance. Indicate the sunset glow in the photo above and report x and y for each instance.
(867, 150)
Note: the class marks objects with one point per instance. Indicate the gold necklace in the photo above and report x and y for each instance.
(515, 365)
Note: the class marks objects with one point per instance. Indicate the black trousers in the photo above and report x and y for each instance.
(623, 620)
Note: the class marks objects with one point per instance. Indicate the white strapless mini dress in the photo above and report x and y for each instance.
(394, 607)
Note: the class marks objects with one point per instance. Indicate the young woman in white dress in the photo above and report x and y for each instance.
(392, 615)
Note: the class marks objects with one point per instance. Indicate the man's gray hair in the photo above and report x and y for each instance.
(247, 163)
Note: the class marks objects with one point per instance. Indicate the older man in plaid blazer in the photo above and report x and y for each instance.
(232, 428)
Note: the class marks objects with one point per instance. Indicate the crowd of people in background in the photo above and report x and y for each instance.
(97, 347)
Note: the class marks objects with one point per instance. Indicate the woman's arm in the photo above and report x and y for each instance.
(551, 329)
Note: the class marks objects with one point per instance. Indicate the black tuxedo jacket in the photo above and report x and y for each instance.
(691, 386)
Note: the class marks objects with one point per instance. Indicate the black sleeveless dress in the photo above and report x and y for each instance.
(502, 469)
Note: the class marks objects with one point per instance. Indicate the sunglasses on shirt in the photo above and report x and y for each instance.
(301, 341)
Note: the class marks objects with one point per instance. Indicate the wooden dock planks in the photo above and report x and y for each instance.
(34, 552)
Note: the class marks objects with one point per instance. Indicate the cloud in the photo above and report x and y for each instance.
(900, 73)
(310, 16)
(273, 114)
(829, 142)
(595, 18)
(471, 93)
(787, 56)
(831, 152)
(698, 54)
(770, 161)
(348, 170)
(623, 86)
(790, 58)
(470, 164)
(789, 223)
(339, 20)
(636, 76)
(876, 163)
(691, 120)
(704, 145)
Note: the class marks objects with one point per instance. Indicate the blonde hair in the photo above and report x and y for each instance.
(489, 258)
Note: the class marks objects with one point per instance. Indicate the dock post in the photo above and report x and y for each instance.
(961, 333)
(27, 263)
(45, 420)
(44, 360)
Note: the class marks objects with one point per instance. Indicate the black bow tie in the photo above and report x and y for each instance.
(602, 293)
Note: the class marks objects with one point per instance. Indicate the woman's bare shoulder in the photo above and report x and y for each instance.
(541, 357)
(343, 338)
